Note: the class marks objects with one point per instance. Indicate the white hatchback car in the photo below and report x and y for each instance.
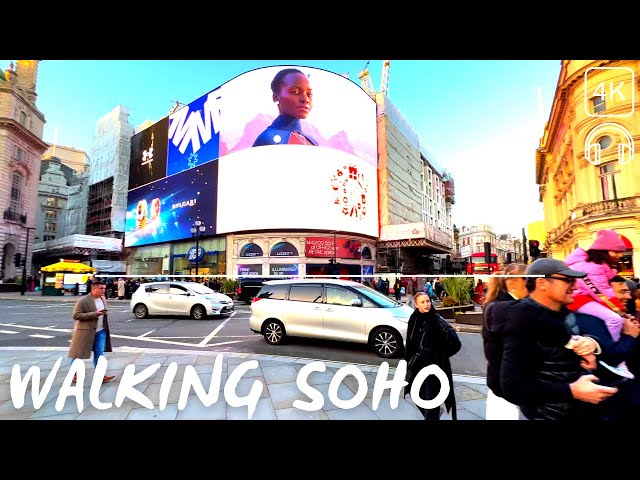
(330, 309)
(179, 298)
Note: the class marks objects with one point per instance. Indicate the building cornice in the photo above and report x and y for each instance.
(21, 131)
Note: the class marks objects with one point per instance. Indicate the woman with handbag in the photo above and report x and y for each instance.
(430, 341)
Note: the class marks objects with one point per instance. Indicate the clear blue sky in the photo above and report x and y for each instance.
(482, 119)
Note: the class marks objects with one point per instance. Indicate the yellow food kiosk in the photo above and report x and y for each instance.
(67, 272)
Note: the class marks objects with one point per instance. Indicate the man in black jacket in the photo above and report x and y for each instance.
(542, 363)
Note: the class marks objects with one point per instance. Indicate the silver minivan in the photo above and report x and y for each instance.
(330, 309)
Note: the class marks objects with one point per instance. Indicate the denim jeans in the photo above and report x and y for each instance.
(99, 342)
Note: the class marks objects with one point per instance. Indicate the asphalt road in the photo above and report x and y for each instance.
(42, 324)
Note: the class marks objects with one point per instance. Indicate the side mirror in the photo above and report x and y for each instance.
(356, 302)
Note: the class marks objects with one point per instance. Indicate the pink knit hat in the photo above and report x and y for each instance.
(608, 240)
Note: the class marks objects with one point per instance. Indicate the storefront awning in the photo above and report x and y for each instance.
(71, 267)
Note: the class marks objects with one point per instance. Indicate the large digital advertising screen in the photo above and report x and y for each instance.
(318, 171)
(165, 210)
(194, 133)
(149, 155)
(301, 157)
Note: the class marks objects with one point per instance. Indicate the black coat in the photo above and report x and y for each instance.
(494, 329)
(440, 342)
(536, 368)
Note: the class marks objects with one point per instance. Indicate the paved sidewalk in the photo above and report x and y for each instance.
(276, 375)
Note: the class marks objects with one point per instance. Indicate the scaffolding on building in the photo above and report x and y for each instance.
(100, 209)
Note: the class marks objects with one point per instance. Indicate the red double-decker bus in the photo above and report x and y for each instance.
(476, 264)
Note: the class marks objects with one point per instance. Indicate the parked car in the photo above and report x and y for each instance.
(179, 298)
(249, 288)
(330, 309)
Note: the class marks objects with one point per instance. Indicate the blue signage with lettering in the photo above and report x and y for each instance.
(195, 254)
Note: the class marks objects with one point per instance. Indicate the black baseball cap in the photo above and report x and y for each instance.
(549, 266)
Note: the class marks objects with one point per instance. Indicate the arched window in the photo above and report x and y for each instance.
(366, 253)
(251, 250)
(284, 249)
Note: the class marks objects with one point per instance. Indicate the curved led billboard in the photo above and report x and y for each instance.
(303, 157)
(330, 184)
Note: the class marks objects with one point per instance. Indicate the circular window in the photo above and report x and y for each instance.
(605, 142)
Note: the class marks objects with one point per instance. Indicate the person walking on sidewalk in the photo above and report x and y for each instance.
(430, 341)
(411, 291)
(91, 327)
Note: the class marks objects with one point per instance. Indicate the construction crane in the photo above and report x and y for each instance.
(365, 79)
(384, 83)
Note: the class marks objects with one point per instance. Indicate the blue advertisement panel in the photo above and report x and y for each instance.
(255, 269)
(288, 270)
(194, 133)
(165, 210)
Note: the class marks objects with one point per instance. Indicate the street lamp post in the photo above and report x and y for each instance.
(23, 287)
(197, 229)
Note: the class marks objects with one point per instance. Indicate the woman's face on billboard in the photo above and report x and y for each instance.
(295, 96)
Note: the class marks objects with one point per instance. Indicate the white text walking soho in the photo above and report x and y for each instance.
(191, 381)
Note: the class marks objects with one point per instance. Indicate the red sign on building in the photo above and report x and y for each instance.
(326, 246)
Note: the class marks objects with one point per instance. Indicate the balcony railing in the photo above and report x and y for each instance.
(15, 216)
(610, 206)
(627, 206)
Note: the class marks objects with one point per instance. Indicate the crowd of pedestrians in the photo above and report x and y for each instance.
(561, 338)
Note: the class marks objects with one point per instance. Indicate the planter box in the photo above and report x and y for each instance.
(449, 312)
(9, 287)
(469, 318)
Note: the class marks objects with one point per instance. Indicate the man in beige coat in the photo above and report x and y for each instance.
(91, 327)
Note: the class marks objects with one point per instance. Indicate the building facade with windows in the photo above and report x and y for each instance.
(586, 164)
(21, 148)
(83, 198)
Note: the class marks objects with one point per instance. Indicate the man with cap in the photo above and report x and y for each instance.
(543, 365)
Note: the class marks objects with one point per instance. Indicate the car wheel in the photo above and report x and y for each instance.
(198, 312)
(140, 311)
(386, 342)
(273, 331)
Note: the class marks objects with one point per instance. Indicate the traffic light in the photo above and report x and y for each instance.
(17, 260)
(534, 248)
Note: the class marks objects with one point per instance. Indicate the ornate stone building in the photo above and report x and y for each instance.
(21, 147)
(585, 166)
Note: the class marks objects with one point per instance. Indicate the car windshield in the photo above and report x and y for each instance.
(377, 297)
(201, 289)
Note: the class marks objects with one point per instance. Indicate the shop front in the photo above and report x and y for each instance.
(210, 256)
(289, 256)
(151, 260)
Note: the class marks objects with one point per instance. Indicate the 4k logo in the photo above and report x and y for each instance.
(610, 97)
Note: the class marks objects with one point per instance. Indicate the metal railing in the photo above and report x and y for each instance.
(15, 216)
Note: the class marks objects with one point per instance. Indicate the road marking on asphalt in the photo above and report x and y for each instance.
(8, 331)
(143, 339)
(29, 327)
(37, 335)
(213, 334)
(145, 334)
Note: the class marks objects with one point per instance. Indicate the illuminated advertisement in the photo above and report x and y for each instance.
(326, 180)
(149, 155)
(194, 133)
(331, 247)
(165, 210)
(304, 157)
(287, 270)
(255, 269)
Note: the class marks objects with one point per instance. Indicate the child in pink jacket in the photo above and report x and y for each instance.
(598, 262)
